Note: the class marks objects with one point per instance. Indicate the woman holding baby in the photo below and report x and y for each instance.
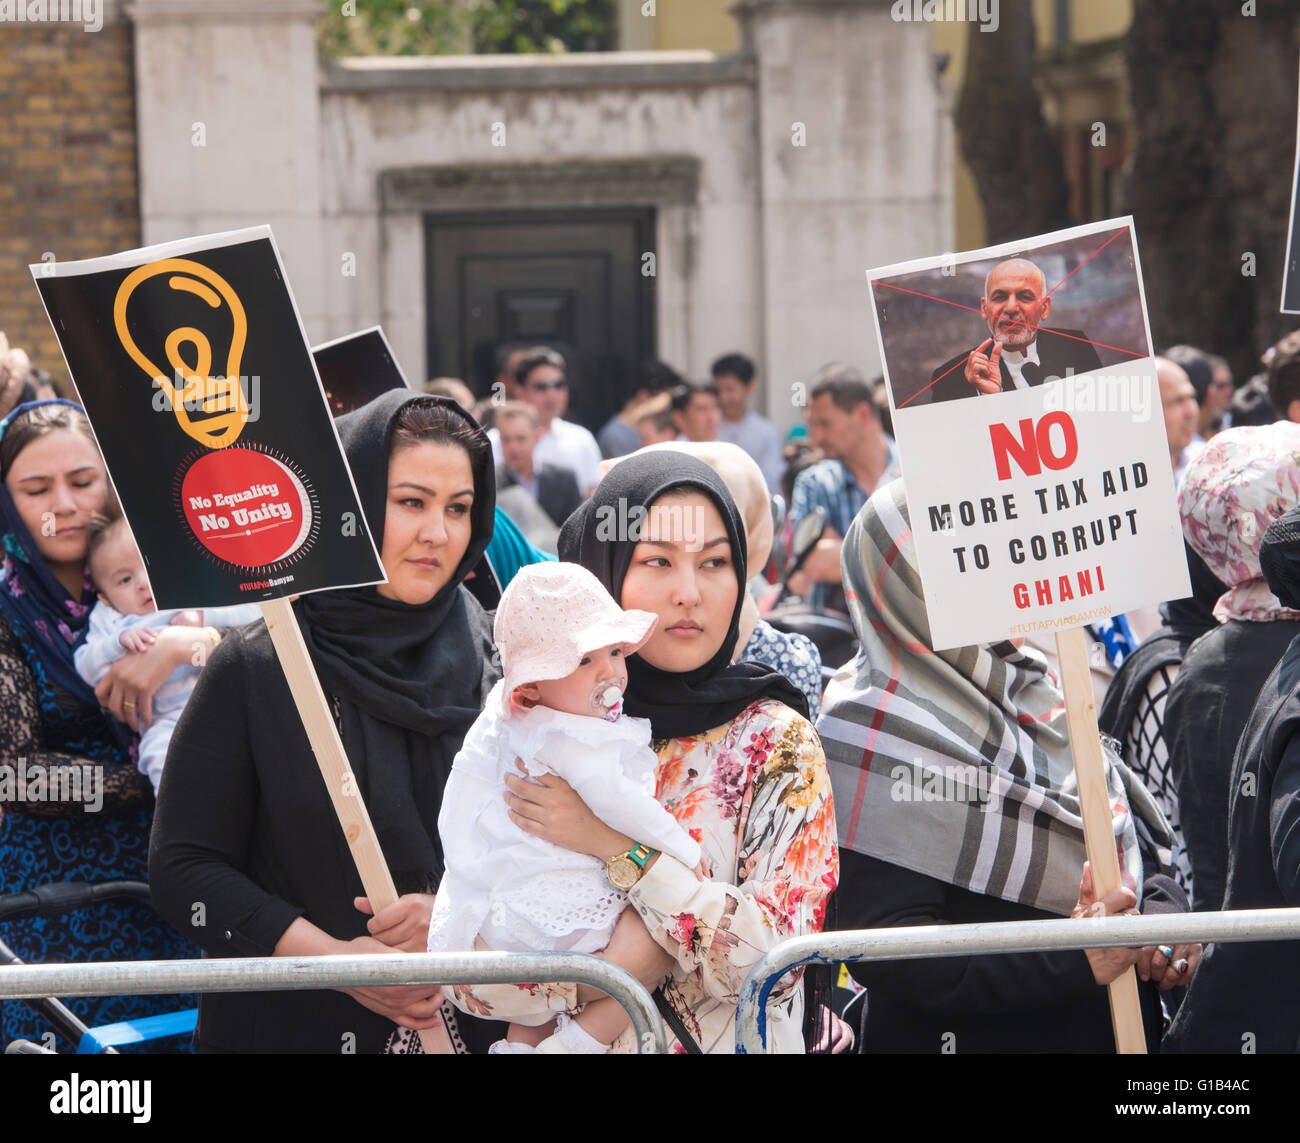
(52, 483)
(738, 765)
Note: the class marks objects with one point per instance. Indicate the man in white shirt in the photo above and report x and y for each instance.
(733, 374)
(542, 382)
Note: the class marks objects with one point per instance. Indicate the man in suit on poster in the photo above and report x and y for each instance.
(1014, 305)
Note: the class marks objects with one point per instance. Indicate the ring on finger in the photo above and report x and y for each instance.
(1166, 952)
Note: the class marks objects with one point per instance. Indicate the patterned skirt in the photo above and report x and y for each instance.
(38, 851)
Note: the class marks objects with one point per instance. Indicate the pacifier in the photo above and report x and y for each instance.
(610, 700)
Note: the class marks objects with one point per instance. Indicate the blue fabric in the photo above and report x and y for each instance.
(508, 551)
(138, 1031)
(1117, 637)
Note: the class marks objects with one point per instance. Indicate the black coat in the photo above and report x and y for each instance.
(245, 840)
(1017, 1002)
(1252, 989)
(557, 490)
(1058, 350)
(1208, 706)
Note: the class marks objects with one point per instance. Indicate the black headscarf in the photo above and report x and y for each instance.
(691, 702)
(1184, 621)
(409, 680)
(1279, 558)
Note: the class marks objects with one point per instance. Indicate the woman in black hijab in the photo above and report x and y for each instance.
(247, 855)
(739, 765)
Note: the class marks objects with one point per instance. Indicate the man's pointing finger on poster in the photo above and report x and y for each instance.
(982, 367)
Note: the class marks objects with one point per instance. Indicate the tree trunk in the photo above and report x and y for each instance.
(1214, 100)
(1004, 138)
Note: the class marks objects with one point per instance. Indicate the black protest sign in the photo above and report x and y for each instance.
(357, 368)
(191, 363)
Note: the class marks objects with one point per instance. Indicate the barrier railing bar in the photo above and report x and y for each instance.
(991, 938)
(258, 974)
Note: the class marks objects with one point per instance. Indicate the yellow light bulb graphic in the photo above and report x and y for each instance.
(212, 410)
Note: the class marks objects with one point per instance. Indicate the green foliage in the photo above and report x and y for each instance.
(442, 27)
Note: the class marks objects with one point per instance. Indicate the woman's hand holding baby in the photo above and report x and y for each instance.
(126, 691)
(549, 808)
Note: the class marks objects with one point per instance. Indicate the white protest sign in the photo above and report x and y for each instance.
(1031, 434)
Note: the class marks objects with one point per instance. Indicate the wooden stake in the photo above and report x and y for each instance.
(1098, 831)
(328, 749)
(339, 779)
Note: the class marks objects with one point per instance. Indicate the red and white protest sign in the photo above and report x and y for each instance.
(1031, 434)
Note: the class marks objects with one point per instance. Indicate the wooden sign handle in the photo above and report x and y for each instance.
(328, 749)
(1098, 830)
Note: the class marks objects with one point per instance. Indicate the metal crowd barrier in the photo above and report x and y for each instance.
(990, 938)
(264, 974)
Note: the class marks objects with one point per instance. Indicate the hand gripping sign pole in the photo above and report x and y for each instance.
(1099, 836)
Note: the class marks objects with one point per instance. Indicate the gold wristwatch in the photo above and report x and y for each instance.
(625, 869)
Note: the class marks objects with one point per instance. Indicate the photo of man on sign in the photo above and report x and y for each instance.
(1020, 351)
(1041, 313)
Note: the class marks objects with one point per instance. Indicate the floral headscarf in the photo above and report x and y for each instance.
(32, 598)
(1242, 481)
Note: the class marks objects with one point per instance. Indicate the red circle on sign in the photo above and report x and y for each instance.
(245, 507)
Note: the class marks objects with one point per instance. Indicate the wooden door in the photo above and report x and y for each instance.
(569, 279)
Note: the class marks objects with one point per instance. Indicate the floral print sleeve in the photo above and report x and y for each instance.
(756, 795)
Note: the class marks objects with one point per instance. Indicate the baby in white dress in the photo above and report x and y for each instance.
(563, 642)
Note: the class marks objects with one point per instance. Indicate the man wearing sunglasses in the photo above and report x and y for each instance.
(542, 381)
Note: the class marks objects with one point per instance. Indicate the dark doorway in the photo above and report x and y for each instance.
(569, 279)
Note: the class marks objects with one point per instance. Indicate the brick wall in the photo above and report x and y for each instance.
(68, 183)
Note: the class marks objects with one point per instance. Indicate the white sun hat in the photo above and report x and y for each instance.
(551, 615)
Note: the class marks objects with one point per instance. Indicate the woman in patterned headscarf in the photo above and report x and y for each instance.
(1241, 482)
(955, 801)
(96, 827)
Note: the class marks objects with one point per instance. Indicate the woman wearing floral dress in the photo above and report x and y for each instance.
(739, 765)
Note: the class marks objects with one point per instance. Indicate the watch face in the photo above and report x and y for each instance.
(623, 873)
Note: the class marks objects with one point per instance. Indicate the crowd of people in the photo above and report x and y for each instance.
(629, 759)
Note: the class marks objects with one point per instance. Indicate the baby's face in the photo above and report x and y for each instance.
(118, 572)
(587, 690)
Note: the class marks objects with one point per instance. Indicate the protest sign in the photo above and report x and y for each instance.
(1032, 442)
(357, 368)
(192, 365)
(1040, 507)
(1291, 268)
